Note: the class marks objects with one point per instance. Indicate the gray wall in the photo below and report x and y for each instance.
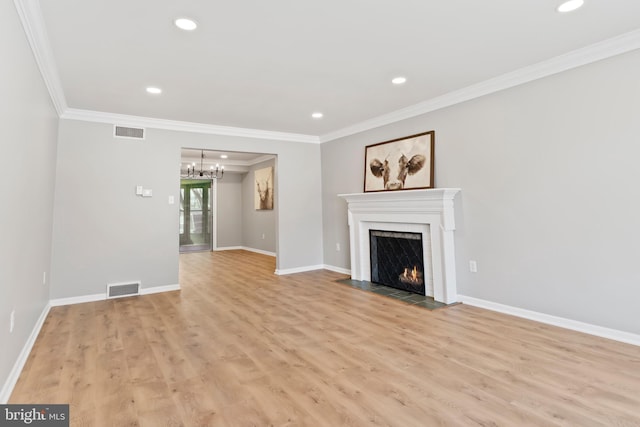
(229, 210)
(549, 204)
(104, 233)
(27, 164)
(259, 222)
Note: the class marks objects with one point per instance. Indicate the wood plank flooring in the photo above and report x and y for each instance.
(239, 346)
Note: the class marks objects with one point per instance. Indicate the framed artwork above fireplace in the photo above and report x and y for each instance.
(400, 164)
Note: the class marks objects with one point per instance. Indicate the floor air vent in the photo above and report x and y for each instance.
(116, 290)
(126, 132)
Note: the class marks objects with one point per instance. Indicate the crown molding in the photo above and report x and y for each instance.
(596, 52)
(31, 17)
(149, 122)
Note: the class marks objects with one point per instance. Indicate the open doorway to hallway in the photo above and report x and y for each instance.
(226, 213)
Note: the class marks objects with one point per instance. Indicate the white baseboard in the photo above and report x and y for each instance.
(158, 289)
(245, 248)
(99, 297)
(283, 272)
(77, 300)
(14, 374)
(229, 248)
(312, 268)
(259, 251)
(574, 325)
(337, 269)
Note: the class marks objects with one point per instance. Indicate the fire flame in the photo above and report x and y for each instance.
(411, 276)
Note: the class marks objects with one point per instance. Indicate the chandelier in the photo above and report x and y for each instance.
(214, 172)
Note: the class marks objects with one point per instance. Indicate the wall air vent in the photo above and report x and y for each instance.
(117, 290)
(127, 132)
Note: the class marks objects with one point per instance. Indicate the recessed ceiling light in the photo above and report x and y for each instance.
(223, 156)
(186, 24)
(399, 80)
(154, 90)
(317, 115)
(570, 5)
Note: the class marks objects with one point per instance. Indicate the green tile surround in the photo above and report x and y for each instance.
(408, 297)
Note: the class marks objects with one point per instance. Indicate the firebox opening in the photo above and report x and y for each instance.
(397, 260)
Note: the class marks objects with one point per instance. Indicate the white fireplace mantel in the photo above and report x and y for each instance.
(429, 212)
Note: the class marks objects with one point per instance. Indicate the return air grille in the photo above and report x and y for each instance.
(126, 132)
(116, 290)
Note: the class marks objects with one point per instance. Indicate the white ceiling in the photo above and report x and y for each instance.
(268, 65)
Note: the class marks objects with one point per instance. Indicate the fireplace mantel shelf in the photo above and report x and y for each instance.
(404, 195)
(429, 211)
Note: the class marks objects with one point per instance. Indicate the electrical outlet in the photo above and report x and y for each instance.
(473, 266)
(172, 200)
(337, 247)
(12, 321)
(44, 277)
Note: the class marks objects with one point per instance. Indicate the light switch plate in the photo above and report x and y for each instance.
(139, 190)
(147, 192)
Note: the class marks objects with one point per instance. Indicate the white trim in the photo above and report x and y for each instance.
(159, 289)
(35, 30)
(14, 374)
(298, 269)
(101, 297)
(77, 300)
(337, 269)
(259, 251)
(574, 325)
(149, 122)
(429, 212)
(245, 248)
(596, 52)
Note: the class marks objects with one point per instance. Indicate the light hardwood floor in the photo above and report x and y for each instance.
(239, 346)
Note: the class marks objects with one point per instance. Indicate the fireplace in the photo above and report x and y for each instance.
(397, 260)
(426, 212)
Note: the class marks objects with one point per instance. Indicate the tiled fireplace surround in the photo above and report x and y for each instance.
(429, 212)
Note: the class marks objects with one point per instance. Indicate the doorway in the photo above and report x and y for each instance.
(196, 215)
(220, 214)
